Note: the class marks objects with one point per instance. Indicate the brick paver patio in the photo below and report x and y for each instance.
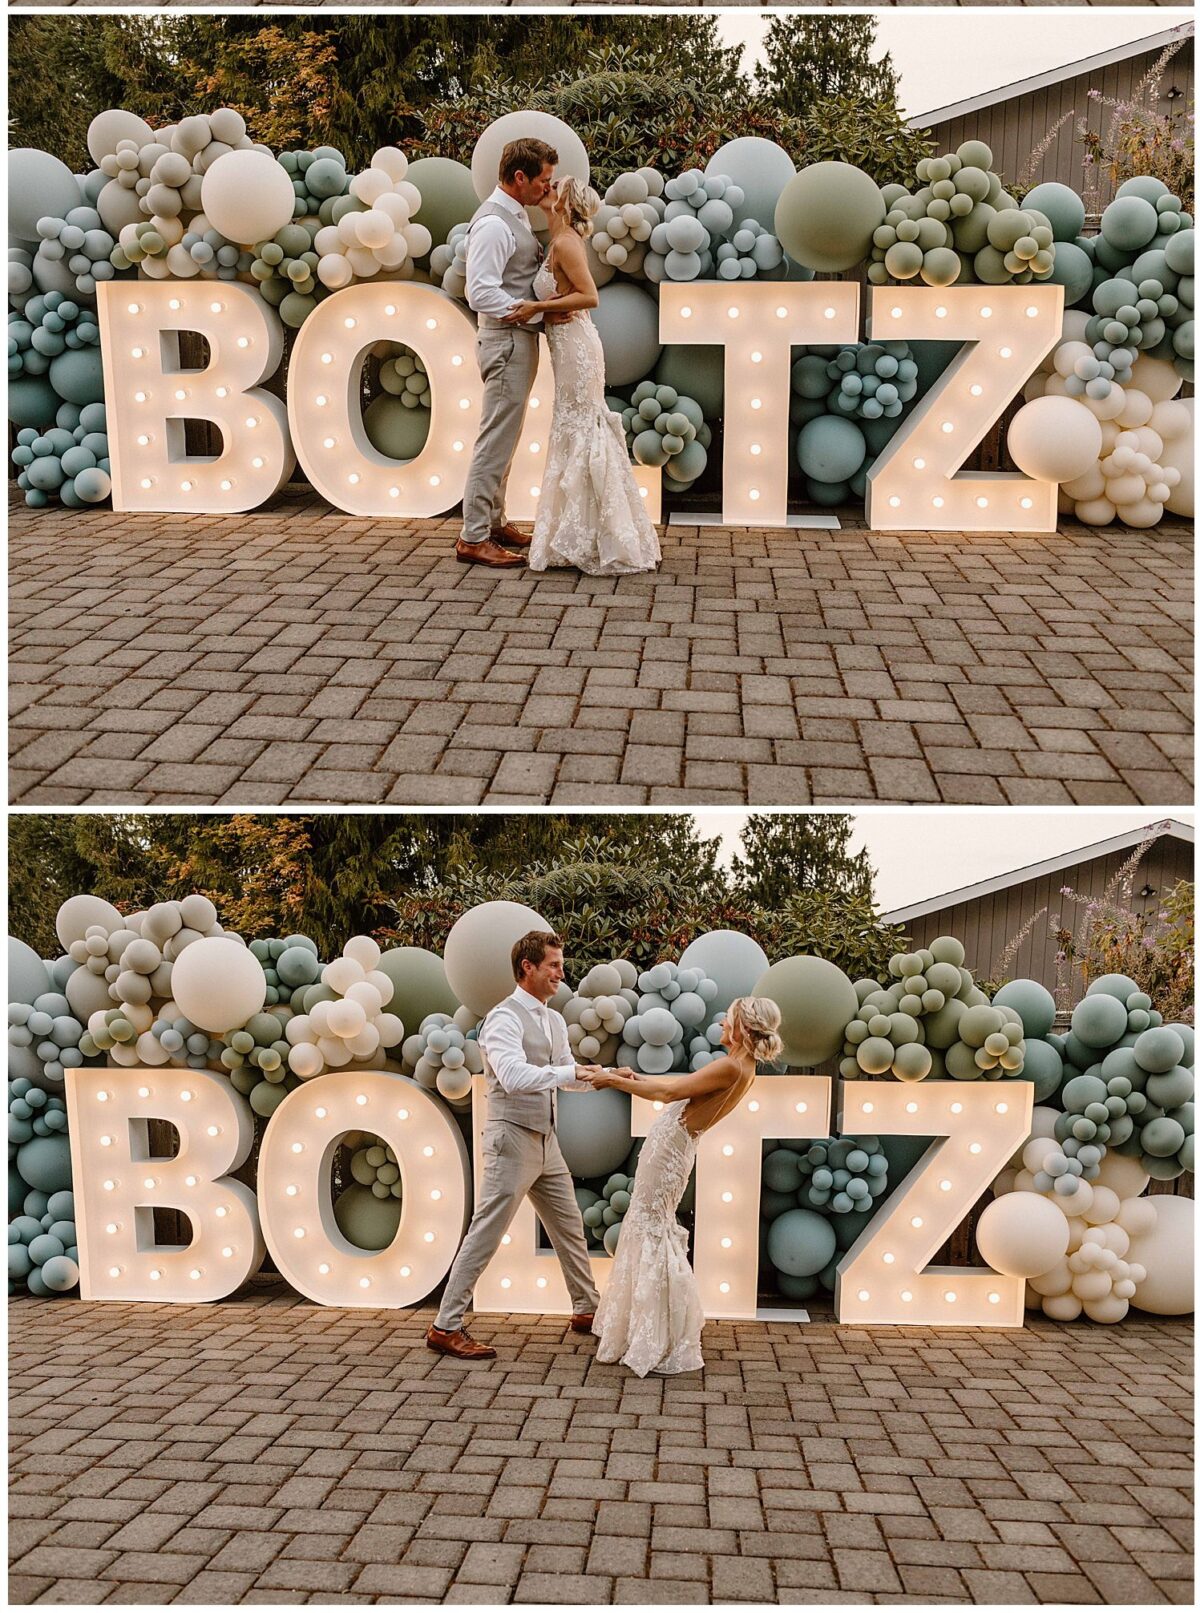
(269, 1450)
(298, 654)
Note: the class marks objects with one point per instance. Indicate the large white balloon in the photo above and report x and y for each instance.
(1022, 1234)
(247, 196)
(485, 159)
(218, 984)
(107, 128)
(1123, 1174)
(1168, 1254)
(478, 953)
(1054, 439)
(1179, 453)
(78, 912)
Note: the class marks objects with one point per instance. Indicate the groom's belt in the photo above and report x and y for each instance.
(487, 322)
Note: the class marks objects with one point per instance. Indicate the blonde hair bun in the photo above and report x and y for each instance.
(758, 1020)
(580, 204)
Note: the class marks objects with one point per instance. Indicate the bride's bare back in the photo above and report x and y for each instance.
(702, 1113)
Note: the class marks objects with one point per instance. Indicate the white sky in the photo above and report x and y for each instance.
(948, 54)
(918, 853)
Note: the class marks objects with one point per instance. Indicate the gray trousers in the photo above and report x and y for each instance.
(508, 363)
(516, 1162)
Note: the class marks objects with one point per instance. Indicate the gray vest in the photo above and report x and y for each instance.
(522, 266)
(535, 1110)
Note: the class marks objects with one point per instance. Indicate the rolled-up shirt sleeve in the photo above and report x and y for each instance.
(489, 247)
(501, 1039)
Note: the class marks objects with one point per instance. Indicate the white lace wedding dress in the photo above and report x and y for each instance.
(590, 513)
(650, 1317)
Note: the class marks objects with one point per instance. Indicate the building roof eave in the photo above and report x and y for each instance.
(1165, 828)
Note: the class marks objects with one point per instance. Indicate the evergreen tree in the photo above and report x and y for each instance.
(814, 58)
(787, 854)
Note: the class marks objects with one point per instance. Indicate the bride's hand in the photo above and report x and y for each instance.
(602, 1078)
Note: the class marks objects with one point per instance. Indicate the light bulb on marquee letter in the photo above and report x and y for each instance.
(147, 397)
(299, 1227)
(117, 1183)
(529, 461)
(978, 1125)
(757, 324)
(1008, 330)
(325, 399)
(521, 1276)
(729, 1182)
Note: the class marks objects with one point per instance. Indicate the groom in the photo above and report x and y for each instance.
(503, 257)
(526, 1057)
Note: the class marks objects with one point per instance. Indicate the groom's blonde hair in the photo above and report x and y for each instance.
(531, 949)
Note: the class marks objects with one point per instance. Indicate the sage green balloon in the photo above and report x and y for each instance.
(447, 194)
(827, 214)
(367, 1221)
(816, 1002)
(1031, 1000)
(1061, 205)
(398, 432)
(698, 372)
(419, 985)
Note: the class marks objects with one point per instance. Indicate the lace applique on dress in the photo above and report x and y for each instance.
(650, 1317)
(590, 513)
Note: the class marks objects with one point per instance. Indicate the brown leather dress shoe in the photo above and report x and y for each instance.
(486, 553)
(512, 536)
(459, 1344)
(583, 1322)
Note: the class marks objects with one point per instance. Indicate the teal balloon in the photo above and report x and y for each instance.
(781, 1171)
(1119, 986)
(1072, 270)
(398, 432)
(1032, 1001)
(39, 186)
(20, 1263)
(419, 985)
(1062, 206)
(626, 320)
(447, 194)
(830, 448)
(761, 168)
(698, 372)
(801, 1243)
(77, 375)
(45, 1163)
(1187, 1035)
(28, 977)
(1159, 1050)
(1129, 223)
(593, 1131)
(367, 1221)
(827, 214)
(1099, 1021)
(1043, 1067)
(797, 1287)
(32, 401)
(60, 1273)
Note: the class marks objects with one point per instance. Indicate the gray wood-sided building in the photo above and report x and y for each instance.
(1016, 117)
(987, 916)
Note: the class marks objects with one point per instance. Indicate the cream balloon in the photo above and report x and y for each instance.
(478, 952)
(485, 159)
(113, 125)
(247, 196)
(1122, 1173)
(1022, 1234)
(1054, 439)
(218, 984)
(78, 913)
(1167, 1252)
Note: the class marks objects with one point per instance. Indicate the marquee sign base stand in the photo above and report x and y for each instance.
(779, 1313)
(795, 523)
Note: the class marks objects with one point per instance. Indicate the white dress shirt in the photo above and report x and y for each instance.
(502, 1039)
(489, 246)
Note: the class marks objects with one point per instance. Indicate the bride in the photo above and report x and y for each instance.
(649, 1316)
(590, 513)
